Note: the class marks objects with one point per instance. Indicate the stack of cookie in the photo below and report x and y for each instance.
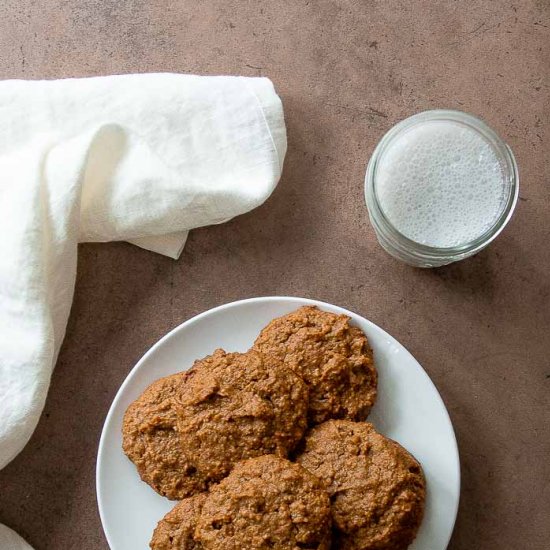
(267, 449)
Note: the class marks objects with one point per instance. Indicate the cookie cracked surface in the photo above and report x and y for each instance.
(151, 440)
(266, 503)
(331, 356)
(237, 406)
(186, 431)
(376, 487)
(176, 530)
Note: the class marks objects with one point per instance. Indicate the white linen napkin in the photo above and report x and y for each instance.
(9, 540)
(143, 158)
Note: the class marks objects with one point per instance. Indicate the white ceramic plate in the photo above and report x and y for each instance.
(409, 410)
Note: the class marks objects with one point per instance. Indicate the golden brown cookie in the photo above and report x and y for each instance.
(175, 531)
(237, 406)
(150, 438)
(266, 503)
(376, 487)
(333, 358)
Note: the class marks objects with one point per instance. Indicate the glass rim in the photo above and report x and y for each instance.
(502, 150)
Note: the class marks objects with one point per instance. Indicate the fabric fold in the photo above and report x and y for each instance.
(143, 158)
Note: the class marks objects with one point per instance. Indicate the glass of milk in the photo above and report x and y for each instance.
(440, 186)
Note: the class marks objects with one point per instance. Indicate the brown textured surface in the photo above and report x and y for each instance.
(346, 72)
(376, 487)
(236, 406)
(266, 503)
(186, 431)
(151, 440)
(334, 359)
(176, 530)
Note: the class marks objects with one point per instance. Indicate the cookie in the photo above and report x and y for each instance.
(377, 488)
(150, 438)
(332, 357)
(236, 406)
(266, 503)
(175, 531)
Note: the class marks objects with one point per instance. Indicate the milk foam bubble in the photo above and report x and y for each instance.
(441, 184)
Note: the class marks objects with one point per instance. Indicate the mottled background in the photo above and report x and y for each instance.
(346, 71)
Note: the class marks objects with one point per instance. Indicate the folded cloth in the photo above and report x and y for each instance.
(11, 541)
(143, 158)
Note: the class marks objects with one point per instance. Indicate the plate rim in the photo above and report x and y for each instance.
(263, 299)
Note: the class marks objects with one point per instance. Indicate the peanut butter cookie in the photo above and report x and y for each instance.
(176, 530)
(332, 357)
(151, 440)
(266, 503)
(237, 406)
(376, 487)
